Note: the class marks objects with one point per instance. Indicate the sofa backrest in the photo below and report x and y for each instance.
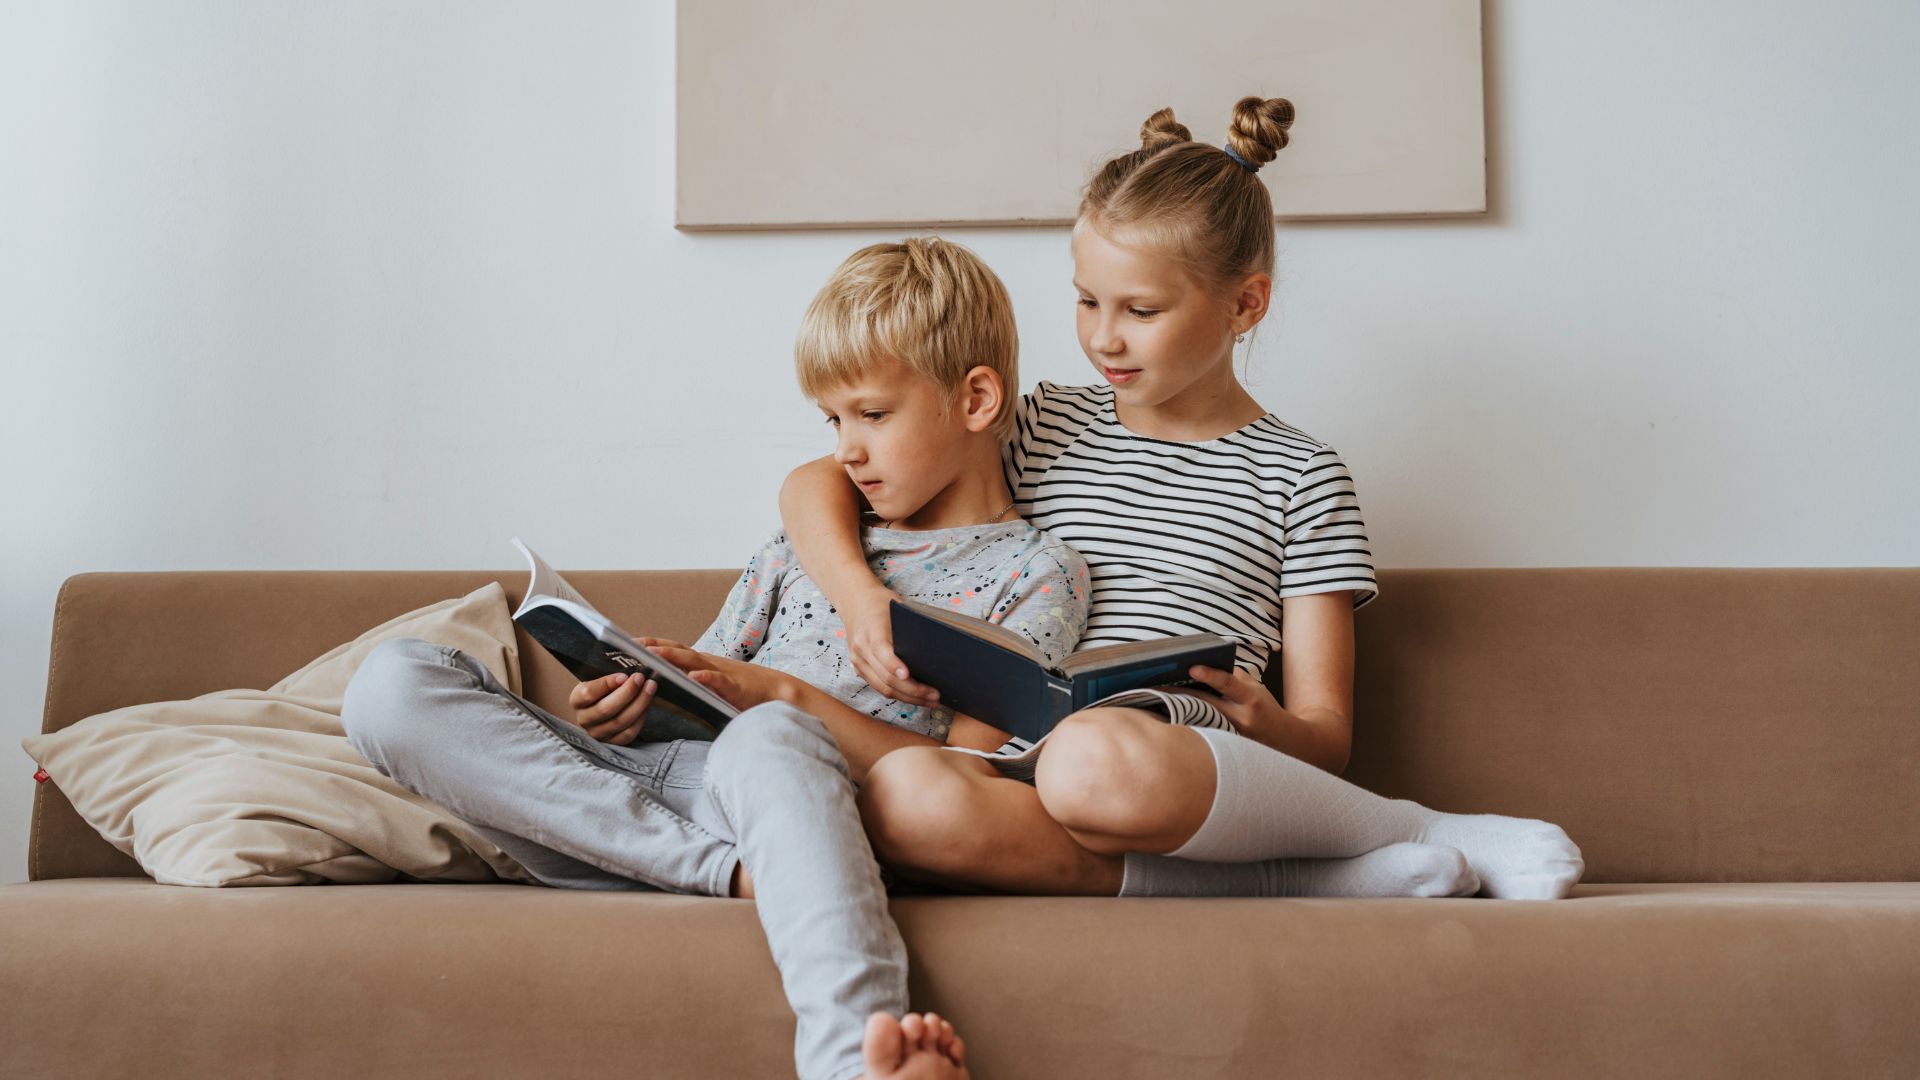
(1681, 724)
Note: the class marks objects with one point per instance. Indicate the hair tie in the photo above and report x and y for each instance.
(1244, 163)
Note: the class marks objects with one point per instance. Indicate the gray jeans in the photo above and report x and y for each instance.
(772, 792)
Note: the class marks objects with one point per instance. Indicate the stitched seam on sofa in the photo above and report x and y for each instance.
(648, 796)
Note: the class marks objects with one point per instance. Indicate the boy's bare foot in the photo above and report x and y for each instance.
(918, 1046)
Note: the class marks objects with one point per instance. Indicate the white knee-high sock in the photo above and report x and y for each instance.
(1268, 805)
(1395, 870)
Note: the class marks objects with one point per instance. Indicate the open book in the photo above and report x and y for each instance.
(590, 646)
(998, 677)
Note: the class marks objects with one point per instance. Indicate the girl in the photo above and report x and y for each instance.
(1197, 510)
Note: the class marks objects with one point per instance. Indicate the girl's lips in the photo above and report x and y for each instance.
(1120, 375)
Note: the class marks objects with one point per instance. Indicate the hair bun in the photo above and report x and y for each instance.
(1161, 129)
(1259, 128)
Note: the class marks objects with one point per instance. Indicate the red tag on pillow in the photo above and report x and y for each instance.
(41, 777)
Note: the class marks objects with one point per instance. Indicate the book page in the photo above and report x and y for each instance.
(547, 582)
(1101, 656)
(548, 590)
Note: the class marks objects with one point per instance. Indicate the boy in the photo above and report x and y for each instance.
(910, 351)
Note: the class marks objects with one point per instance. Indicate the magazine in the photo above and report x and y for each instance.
(998, 677)
(590, 646)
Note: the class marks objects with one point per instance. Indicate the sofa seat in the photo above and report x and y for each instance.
(1655, 980)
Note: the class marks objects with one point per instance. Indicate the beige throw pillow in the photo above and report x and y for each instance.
(261, 787)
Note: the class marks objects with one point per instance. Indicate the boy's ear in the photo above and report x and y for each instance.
(981, 398)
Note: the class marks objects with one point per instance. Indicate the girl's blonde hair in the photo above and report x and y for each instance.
(929, 303)
(1192, 202)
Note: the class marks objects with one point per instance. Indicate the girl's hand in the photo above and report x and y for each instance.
(739, 684)
(870, 643)
(1245, 701)
(612, 708)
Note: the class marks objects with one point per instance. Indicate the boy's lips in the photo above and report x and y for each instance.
(868, 485)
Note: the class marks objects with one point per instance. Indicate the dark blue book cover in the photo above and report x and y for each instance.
(997, 677)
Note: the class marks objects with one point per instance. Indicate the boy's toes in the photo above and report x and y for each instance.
(930, 1040)
(884, 1047)
(913, 1028)
(939, 1032)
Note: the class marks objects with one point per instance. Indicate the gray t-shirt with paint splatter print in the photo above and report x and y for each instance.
(1012, 574)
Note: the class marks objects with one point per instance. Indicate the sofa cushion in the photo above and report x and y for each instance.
(261, 787)
(177, 634)
(123, 977)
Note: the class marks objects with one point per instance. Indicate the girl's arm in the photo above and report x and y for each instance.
(820, 508)
(1316, 673)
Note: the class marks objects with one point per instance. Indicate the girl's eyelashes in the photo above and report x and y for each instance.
(1138, 313)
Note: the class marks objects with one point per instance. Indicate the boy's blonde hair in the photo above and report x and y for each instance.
(1192, 202)
(929, 303)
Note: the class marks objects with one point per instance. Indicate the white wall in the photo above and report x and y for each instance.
(280, 281)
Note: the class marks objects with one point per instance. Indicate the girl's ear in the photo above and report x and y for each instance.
(982, 396)
(1249, 302)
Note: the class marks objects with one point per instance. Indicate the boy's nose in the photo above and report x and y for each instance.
(848, 452)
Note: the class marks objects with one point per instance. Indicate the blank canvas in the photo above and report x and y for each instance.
(995, 112)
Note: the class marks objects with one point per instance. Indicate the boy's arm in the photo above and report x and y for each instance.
(741, 628)
(820, 509)
(863, 740)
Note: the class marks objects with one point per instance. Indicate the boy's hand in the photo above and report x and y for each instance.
(870, 643)
(739, 684)
(612, 708)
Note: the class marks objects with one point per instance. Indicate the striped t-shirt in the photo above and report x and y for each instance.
(1188, 538)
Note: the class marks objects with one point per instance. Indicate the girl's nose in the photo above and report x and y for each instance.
(1104, 341)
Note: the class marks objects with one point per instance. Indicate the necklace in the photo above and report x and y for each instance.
(989, 521)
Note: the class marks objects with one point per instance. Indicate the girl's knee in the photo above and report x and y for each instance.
(1105, 771)
(914, 803)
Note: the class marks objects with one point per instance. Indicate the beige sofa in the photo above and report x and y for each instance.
(1736, 751)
